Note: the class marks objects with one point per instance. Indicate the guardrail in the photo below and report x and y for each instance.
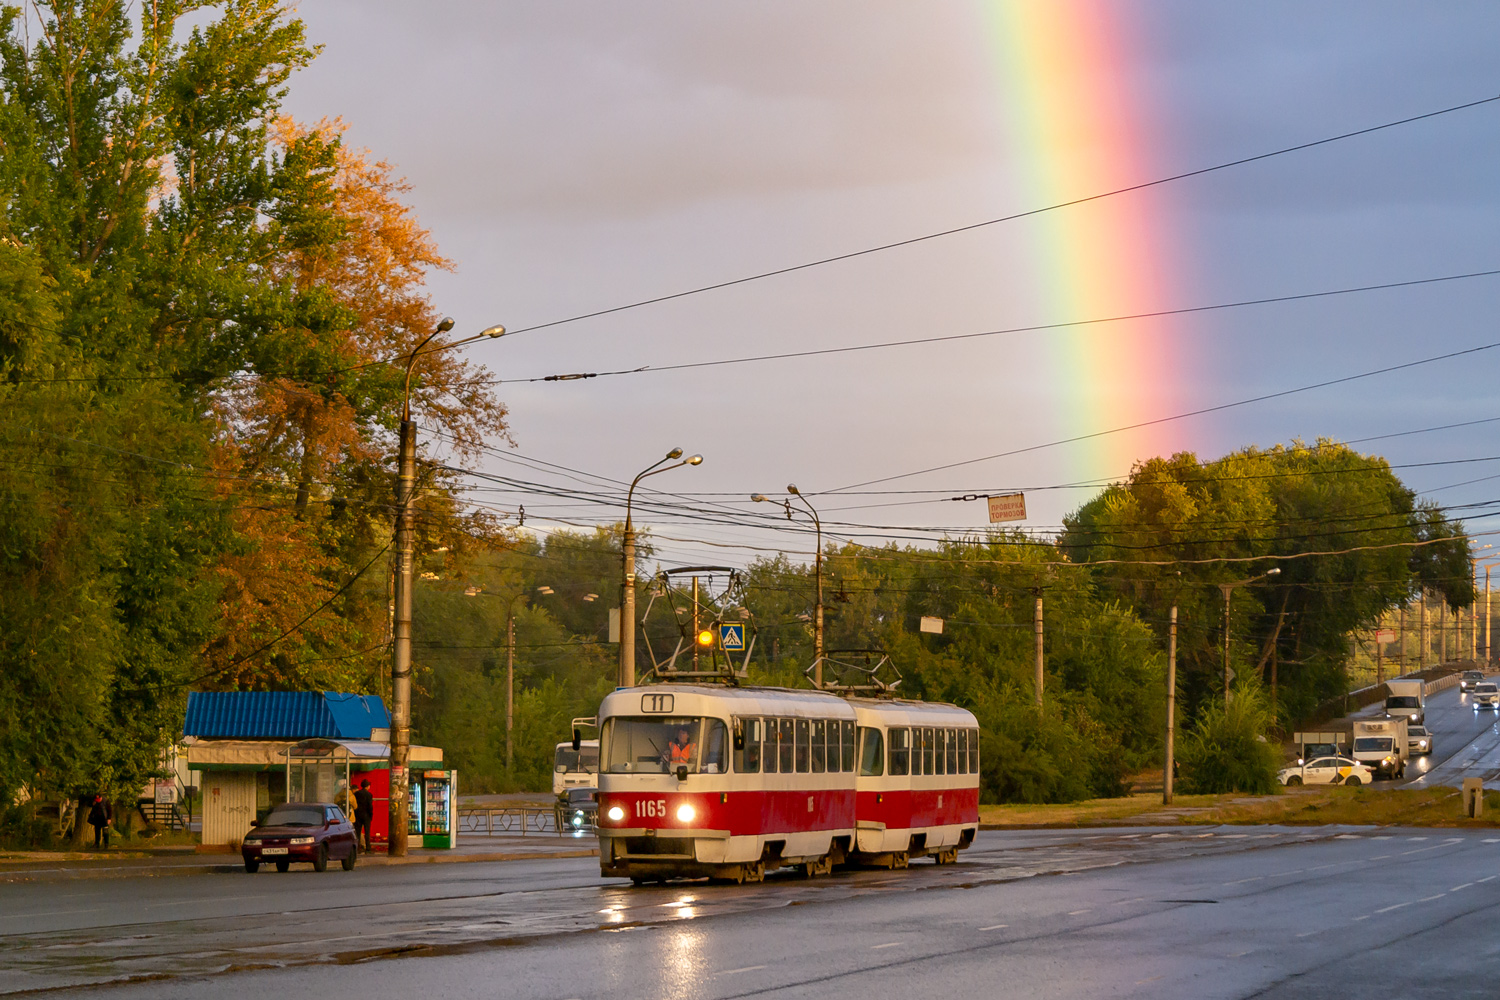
(509, 821)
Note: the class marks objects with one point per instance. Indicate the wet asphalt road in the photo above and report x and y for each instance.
(1221, 912)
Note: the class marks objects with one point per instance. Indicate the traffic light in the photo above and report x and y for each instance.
(706, 638)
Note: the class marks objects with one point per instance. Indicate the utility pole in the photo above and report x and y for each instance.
(1423, 647)
(510, 688)
(1037, 625)
(406, 489)
(1166, 774)
(1379, 656)
(1226, 589)
(1442, 630)
(406, 485)
(1488, 656)
(1401, 641)
(695, 624)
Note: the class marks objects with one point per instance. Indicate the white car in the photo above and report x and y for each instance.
(1418, 740)
(1326, 771)
(1486, 695)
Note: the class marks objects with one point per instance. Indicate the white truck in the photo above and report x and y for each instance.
(1406, 700)
(1381, 745)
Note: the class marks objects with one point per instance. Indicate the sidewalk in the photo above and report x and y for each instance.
(18, 866)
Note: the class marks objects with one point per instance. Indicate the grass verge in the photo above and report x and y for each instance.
(1364, 806)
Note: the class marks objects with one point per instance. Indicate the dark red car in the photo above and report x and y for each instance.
(304, 832)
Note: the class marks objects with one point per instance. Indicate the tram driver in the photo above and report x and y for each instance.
(680, 751)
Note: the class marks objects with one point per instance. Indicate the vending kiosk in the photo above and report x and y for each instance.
(434, 804)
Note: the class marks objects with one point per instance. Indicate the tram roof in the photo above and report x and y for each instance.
(740, 700)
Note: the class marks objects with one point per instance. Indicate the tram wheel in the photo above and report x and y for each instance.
(900, 859)
(947, 856)
(755, 872)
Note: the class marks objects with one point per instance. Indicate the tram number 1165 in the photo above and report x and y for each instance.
(651, 808)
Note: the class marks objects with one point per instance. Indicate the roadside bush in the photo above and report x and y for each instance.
(21, 830)
(1226, 750)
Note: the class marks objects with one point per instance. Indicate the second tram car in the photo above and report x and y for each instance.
(700, 780)
(917, 786)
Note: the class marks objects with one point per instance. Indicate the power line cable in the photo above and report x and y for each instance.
(1127, 189)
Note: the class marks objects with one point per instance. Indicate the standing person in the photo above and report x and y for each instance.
(100, 816)
(364, 814)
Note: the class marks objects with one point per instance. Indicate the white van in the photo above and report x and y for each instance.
(1406, 700)
(1382, 746)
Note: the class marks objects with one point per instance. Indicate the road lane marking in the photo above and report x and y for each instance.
(1074, 913)
(1458, 887)
(1429, 899)
(1478, 880)
(1241, 954)
(1398, 906)
(1490, 840)
(1365, 917)
(1137, 899)
(888, 944)
(1309, 933)
(1380, 857)
(1237, 881)
(994, 927)
(1416, 838)
(748, 968)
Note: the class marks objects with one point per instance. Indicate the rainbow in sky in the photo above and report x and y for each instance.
(1076, 129)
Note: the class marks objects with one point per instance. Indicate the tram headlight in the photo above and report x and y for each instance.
(686, 813)
(616, 813)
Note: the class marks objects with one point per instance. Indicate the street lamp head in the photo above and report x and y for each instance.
(1274, 572)
(445, 325)
(493, 331)
(760, 498)
(675, 453)
(792, 488)
(695, 460)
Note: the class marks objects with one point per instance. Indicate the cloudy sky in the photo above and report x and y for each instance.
(575, 157)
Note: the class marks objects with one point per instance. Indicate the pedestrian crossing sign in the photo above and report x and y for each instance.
(732, 637)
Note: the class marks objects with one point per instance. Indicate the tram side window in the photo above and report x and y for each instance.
(768, 752)
(802, 746)
(942, 747)
(963, 751)
(872, 753)
(819, 745)
(952, 742)
(715, 743)
(916, 751)
(784, 751)
(973, 751)
(929, 743)
(747, 754)
(900, 751)
(848, 744)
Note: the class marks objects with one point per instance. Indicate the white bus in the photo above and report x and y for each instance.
(575, 768)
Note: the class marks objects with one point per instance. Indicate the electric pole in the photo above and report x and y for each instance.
(1166, 774)
(1037, 624)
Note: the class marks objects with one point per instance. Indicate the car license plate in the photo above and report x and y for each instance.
(273, 850)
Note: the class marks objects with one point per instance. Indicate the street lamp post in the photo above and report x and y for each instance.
(510, 673)
(1226, 589)
(406, 488)
(817, 574)
(627, 559)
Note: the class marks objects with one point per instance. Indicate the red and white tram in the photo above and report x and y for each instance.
(917, 788)
(699, 780)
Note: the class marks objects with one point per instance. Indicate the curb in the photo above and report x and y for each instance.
(76, 869)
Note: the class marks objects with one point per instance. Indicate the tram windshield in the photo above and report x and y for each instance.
(659, 745)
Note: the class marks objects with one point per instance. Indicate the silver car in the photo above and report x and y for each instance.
(1469, 679)
(1486, 695)
(1418, 740)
